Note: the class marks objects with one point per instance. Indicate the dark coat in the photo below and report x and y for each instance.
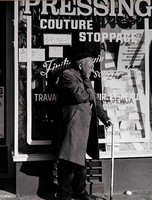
(76, 123)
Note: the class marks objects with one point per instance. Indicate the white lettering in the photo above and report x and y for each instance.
(43, 23)
(45, 97)
(82, 37)
(123, 3)
(66, 24)
(68, 6)
(29, 4)
(104, 37)
(87, 7)
(120, 37)
(102, 7)
(137, 8)
(91, 7)
(54, 10)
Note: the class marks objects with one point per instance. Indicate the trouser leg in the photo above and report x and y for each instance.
(79, 184)
(79, 180)
(65, 178)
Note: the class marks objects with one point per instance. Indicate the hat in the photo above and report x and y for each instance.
(81, 56)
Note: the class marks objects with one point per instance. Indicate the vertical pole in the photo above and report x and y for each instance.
(147, 77)
(29, 75)
(16, 77)
(112, 164)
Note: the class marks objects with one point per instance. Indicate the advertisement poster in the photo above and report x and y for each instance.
(47, 35)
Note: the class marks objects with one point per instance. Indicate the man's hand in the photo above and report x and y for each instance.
(108, 123)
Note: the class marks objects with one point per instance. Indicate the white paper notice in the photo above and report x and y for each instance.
(112, 114)
(116, 127)
(36, 55)
(133, 116)
(124, 125)
(125, 135)
(138, 146)
(22, 55)
(118, 84)
(122, 107)
(56, 52)
(109, 65)
(57, 39)
(120, 113)
(139, 125)
(127, 125)
(109, 56)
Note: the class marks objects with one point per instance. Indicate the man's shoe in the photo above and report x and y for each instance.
(63, 197)
(83, 196)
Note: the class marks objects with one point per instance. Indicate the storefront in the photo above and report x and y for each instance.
(6, 91)
(46, 37)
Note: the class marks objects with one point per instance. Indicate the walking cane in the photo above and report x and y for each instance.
(112, 164)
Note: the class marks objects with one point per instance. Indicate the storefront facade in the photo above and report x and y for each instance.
(41, 38)
(6, 91)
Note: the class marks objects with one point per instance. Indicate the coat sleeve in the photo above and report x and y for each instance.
(101, 113)
(74, 89)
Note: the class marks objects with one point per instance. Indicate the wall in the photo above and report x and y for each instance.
(129, 174)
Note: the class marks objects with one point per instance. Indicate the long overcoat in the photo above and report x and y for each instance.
(76, 121)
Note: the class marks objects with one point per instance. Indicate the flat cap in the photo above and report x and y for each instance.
(81, 56)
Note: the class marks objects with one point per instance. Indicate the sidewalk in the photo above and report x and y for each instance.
(7, 192)
(9, 196)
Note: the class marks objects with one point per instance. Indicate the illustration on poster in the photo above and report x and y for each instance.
(95, 7)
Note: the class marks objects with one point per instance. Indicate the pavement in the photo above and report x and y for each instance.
(4, 195)
(7, 192)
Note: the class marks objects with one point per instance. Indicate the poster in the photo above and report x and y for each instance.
(47, 35)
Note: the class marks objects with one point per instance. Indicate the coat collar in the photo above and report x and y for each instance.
(77, 74)
(87, 82)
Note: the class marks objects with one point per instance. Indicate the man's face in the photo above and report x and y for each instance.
(87, 67)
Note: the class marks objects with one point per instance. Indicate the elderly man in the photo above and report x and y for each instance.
(76, 127)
